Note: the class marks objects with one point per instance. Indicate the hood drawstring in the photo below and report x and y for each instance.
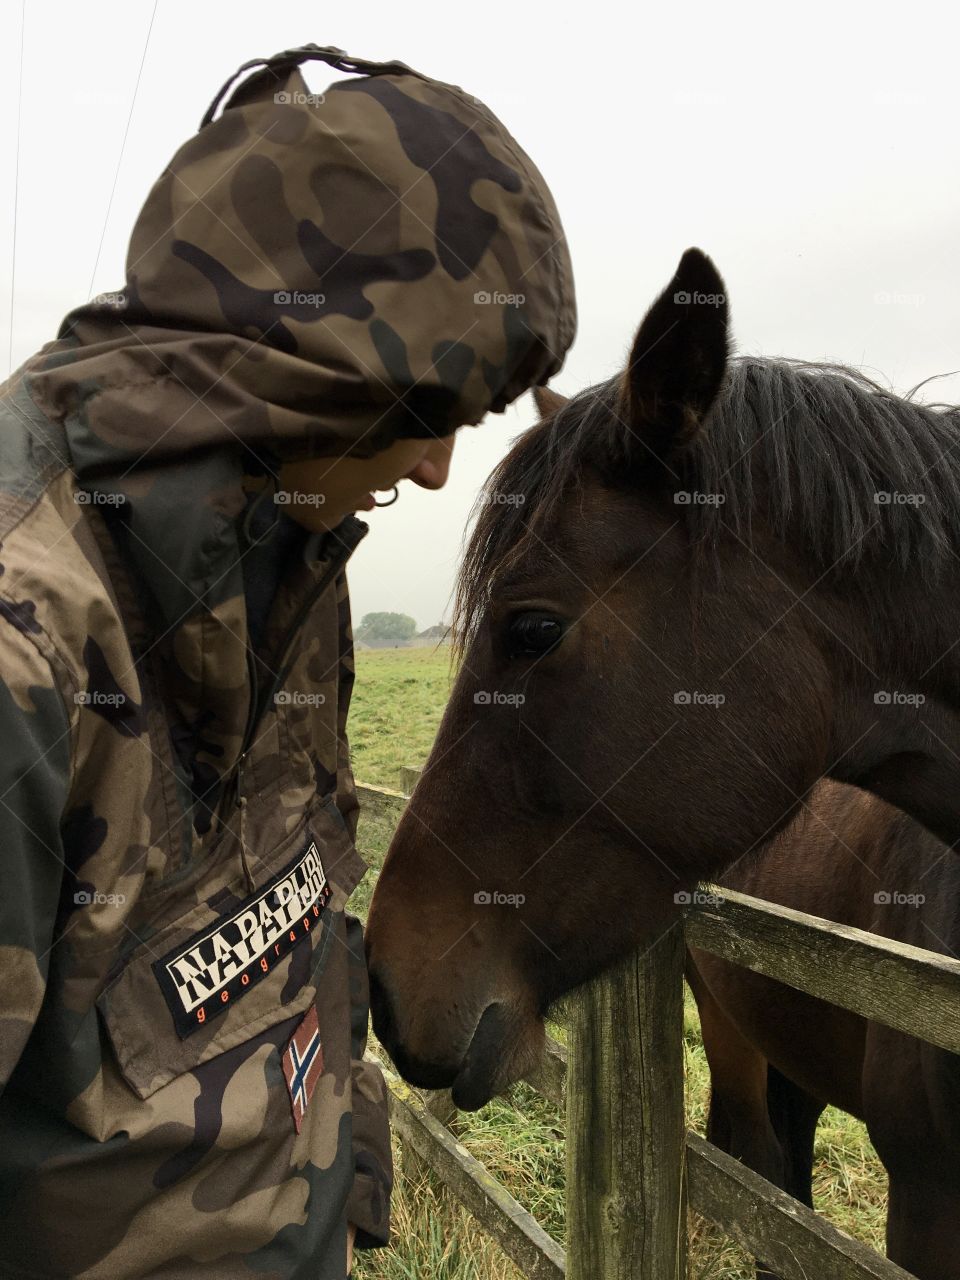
(279, 64)
(252, 515)
(244, 860)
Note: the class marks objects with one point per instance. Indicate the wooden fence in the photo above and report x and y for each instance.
(632, 1167)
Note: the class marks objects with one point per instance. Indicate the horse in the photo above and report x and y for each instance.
(777, 1056)
(692, 592)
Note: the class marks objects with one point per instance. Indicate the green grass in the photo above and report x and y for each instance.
(398, 701)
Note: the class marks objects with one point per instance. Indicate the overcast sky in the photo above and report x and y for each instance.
(810, 149)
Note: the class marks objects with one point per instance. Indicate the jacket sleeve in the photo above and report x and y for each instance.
(34, 782)
(369, 1202)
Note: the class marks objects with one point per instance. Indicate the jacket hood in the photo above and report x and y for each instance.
(319, 275)
(311, 275)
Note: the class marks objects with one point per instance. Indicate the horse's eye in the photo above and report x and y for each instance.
(532, 634)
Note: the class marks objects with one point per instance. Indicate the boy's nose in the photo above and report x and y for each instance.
(432, 470)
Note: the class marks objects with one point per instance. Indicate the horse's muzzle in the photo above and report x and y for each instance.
(471, 1077)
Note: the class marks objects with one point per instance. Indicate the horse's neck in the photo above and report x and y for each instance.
(899, 715)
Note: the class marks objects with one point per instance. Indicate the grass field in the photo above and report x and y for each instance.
(398, 701)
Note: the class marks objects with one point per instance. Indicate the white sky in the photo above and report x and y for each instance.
(811, 149)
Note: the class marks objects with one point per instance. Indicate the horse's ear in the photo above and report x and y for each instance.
(678, 361)
(547, 401)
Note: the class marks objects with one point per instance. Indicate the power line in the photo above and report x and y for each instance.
(136, 88)
(16, 185)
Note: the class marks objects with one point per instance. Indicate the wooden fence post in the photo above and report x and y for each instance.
(409, 776)
(626, 1204)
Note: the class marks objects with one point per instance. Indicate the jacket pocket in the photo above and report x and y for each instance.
(236, 961)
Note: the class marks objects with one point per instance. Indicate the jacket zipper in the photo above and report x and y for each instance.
(260, 700)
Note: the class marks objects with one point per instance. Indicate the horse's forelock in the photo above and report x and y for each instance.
(539, 470)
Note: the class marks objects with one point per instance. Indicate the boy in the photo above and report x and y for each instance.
(314, 303)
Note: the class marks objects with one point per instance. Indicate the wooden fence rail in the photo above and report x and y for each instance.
(631, 1164)
(904, 987)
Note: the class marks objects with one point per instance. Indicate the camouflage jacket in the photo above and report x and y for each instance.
(182, 993)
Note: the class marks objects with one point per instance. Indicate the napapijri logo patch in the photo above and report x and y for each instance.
(303, 1065)
(203, 976)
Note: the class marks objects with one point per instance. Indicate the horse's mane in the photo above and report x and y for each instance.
(808, 446)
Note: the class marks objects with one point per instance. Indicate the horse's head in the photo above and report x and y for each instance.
(643, 697)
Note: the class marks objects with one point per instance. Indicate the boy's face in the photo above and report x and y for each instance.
(345, 485)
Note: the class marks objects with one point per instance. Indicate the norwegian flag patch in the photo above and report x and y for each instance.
(303, 1065)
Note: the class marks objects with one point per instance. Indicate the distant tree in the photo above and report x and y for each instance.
(386, 626)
